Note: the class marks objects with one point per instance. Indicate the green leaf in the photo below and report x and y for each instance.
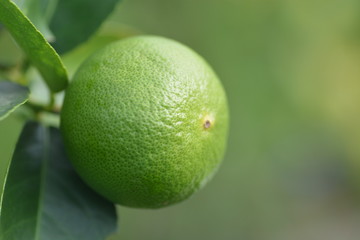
(38, 50)
(39, 12)
(76, 20)
(44, 199)
(12, 96)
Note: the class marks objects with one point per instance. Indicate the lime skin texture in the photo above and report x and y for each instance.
(145, 122)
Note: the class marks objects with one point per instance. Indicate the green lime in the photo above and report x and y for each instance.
(145, 122)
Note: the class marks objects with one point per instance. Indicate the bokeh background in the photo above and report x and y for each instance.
(291, 70)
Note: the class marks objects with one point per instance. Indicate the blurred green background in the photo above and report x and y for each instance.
(291, 70)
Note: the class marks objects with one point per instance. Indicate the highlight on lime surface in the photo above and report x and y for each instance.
(145, 122)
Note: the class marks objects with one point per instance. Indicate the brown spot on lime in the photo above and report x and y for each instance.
(207, 124)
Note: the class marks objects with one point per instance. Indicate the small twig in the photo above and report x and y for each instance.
(51, 101)
(37, 108)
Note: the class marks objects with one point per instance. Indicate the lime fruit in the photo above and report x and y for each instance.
(145, 122)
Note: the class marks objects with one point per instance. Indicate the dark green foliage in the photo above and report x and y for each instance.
(45, 199)
(76, 20)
